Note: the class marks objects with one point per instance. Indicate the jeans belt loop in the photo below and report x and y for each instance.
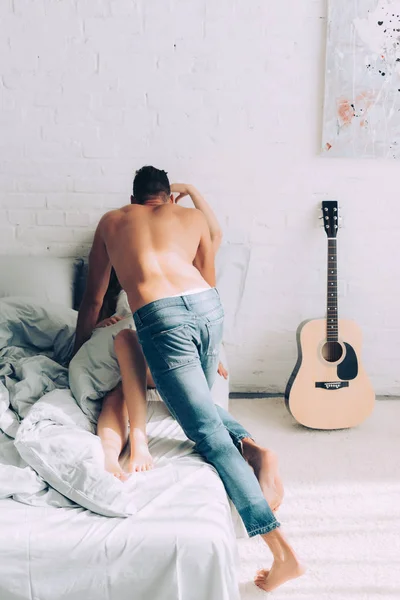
(186, 302)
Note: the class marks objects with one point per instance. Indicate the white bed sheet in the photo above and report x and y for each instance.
(180, 545)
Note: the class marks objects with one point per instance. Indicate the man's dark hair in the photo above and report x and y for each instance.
(150, 182)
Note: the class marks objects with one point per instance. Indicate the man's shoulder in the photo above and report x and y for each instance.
(115, 214)
(198, 217)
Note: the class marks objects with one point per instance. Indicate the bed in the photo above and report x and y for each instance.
(68, 529)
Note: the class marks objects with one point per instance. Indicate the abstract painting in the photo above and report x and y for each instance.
(362, 87)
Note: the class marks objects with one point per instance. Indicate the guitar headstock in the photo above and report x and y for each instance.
(330, 216)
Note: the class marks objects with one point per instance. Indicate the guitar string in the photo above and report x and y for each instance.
(332, 269)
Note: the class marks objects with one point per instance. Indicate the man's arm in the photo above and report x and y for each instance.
(204, 260)
(96, 286)
(201, 204)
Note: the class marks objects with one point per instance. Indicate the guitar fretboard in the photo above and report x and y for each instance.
(332, 304)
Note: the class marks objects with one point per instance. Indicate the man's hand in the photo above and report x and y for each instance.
(222, 371)
(182, 189)
(109, 321)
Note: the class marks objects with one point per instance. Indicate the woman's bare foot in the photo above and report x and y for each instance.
(112, 465)
(140, 459)
(286, 565)
(264, 463)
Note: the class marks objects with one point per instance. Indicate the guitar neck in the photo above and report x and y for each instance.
(332, 297)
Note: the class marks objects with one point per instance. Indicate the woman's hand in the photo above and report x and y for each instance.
(222, 371)
(109, 321)
(182, 189)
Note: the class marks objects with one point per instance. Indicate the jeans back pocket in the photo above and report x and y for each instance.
(175, 346)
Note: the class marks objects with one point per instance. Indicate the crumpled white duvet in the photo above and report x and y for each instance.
(178, 545)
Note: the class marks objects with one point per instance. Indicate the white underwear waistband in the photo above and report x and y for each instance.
(190, 292)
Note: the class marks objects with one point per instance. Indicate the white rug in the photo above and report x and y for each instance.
(342, 506)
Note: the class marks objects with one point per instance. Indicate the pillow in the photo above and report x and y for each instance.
(94, 371)
(45, 278)
(232, 263)
(123, 309)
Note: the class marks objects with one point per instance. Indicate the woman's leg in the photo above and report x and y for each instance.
(133, 372)
(112, 429)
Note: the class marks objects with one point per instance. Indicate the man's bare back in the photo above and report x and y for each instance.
(153, 248)
(157, 248)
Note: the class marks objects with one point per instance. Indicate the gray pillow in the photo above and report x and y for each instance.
(46, 278)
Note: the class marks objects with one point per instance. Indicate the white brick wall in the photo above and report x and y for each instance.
(225, 94)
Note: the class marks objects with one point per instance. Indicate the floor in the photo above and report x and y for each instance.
(342, 506)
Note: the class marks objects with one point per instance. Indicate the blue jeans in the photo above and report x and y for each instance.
(180, 338)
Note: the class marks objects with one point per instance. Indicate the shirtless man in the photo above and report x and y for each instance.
(164, 259)
(112, 425)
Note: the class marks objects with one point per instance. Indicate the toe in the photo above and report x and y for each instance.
(262, 573)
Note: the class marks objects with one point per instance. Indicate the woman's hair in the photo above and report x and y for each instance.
(111, 297)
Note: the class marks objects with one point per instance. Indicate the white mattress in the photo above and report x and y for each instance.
(179, 546)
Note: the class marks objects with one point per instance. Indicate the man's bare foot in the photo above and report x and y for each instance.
(286, 565)
(140, 459)
(280, 572)
(112, 465)
(265, 466)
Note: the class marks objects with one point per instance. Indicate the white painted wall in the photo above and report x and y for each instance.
(227, 95)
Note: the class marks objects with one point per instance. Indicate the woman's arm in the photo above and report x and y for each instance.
(183, 189)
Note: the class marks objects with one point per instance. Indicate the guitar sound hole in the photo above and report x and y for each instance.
(332, 351)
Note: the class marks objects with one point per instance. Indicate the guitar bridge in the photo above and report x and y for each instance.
(331, 385)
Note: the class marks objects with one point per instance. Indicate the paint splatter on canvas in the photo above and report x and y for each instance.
(362, 89)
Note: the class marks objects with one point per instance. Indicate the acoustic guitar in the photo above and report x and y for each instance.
(329, 388)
